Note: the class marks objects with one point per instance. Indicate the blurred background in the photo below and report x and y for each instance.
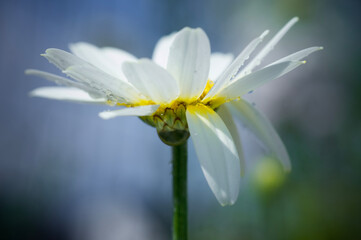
(67, 174)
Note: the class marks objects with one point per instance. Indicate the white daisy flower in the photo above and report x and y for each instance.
(184, 90)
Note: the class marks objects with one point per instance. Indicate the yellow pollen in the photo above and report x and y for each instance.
(208, 87)
(139, 103)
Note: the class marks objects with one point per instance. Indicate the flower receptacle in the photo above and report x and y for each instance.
(171, 123)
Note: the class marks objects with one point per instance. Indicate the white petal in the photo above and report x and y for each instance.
(89, 53)
(263, 129)
(134, 111)
(62, 59)
(66, 94)
(300, 55)
(227, 118)
(152, 80)
(101, 58)
(216, 152)
(188, 62)
(118, 56)
(161, 50)
(250, 82)
(270, 45)
(53, 78)
(85, 72)
(105, 83)
(233, 69)
(63, 81)
(219, 62)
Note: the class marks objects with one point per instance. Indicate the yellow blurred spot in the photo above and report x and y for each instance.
(269, 174)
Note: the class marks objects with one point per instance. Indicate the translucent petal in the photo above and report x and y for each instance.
(107, 59)
(219, 62)
(65, 94)
(233, 69)
(117, 56)
(105, 83)
(132, 111)
(216, 152)
(152, 80)
(269, 46)
(82, 71)
(62, 59)
(64, 81)
(250, 82)
(91, 54)
(263, 129)
(161, 50)
(188, 62)
(300, 55)
(227, 118)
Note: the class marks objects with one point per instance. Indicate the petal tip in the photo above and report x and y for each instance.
(227, 203)
(48, 50)
(104, 115)
(264, 34)
(28, 71)
(295, 19)
(32, 94)
(35, 93)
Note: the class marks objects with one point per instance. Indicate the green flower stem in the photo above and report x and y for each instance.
(180, 217)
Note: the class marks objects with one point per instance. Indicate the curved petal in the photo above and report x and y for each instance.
(216, 152)
(250, 82)
(152, 80)
(161, 50)
(263, 129)
(219, 62)
(297, 56)
(227, 118)
(269, 46)
(233, 69)
(131, 111)
(53, 78)
(64, 81)
(111, 86)
(188, 62)
(65, 94)
(89, 53)
(84, 72)
(117, 56)
(102, 58)
(62, 59)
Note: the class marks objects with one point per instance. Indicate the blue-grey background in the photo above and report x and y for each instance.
(67, 174)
